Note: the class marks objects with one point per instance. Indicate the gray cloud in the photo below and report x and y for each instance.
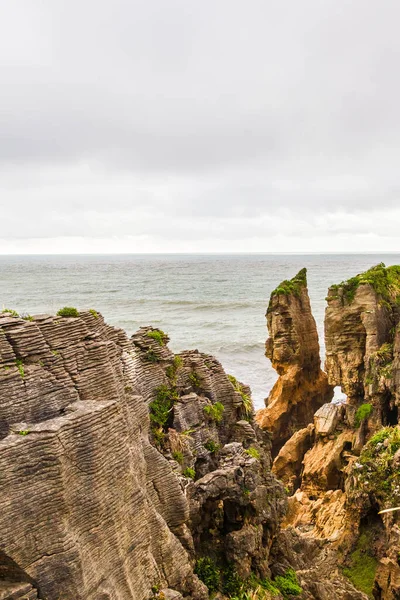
(180, 122)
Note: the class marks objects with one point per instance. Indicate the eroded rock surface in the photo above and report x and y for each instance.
(343, 469)
(293, 349)
(116, 457)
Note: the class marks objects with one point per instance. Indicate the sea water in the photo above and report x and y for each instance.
(215, 303)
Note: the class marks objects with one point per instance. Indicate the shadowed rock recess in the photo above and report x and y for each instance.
(126, 469)
(343, 467)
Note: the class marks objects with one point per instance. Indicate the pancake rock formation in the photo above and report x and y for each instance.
(124, 467)
(293, 349)
(343, 469)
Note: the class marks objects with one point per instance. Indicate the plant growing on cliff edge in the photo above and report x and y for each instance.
(27, 317)
(287, 584)
(374, 476)
(292, 286)
(178, 456)
(158, 335)
(194, 379)
(23, 432)
(12, 312)
(94, 313)
(151, 356)
(253, 452)
(20, 366)
(68, 311)
(215, 412)
(161, 407)
(384, 280)
(209, 573)
(189, 473)
(246, 400)
(363, 412)
(362, 565)
(212, 446)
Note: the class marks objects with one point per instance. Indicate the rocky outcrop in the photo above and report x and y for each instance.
(360, 331)
(343, 469)
(293, 349)
(117, 459)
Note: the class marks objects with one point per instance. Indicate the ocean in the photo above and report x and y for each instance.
(215, 303)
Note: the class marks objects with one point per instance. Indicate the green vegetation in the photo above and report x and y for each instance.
(253, 452)
(384, 280)
(292, 286)
(161, 407)
(68, 311)
(94, 313)
(247, 403)
(189, 473)
(20, 366)
(159, 336)
(171, 370)
(27, 317)
(211, 446)
(194, 379)
(362, 564)
(380, 365)
(215, 411)
(224, 578)
(178, 456)
(209, 573)
(12, 312)
(363, 412)
(287, 584)
(151, 356)
(374, 475)
(23, 432)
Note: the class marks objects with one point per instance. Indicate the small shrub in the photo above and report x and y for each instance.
(253, 452)
(152, 356)
(12, 312)
(211, 446)
(209, 573)
(189, 473)
(23, 432)
(68, 311)
(159, 336)
(232, 584)
(20, 366)
(194, 379)
(27, 317)
(247, 403)
(161, 407)
(158, 435)
(287, 584)
(362, 565)
(363, 412)
(215, 411)
(178, 456)
(292, 286)
(94, 313)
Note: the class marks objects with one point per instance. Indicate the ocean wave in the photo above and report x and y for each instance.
(238, 347)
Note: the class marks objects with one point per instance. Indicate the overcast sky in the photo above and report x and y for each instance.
(199, 126)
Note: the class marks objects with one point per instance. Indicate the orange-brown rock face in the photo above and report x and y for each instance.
(346, 466)
(293, 349)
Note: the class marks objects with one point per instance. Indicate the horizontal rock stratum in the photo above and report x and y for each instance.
(121, 464)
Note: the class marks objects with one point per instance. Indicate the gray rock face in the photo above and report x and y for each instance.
(92, 503)
(326, 419)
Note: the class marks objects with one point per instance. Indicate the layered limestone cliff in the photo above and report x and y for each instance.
(293, 349)
(342, 469)
(122, 466)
